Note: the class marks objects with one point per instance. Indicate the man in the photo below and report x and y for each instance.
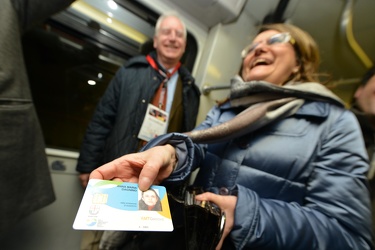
(364, 109)
(25, 184)
(124, 116)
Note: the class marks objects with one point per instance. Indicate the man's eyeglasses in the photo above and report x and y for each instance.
(275, 39)
(168, 31)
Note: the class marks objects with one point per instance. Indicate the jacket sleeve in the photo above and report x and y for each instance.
(100, 126)
(31, 12)
(189, 154)
(184, 151)
(336, 213)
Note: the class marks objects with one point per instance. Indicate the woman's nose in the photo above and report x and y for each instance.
(260, 47)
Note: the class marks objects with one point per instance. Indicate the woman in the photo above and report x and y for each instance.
(150, 201)
(282, 157)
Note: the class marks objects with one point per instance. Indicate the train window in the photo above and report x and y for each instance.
(72, 57)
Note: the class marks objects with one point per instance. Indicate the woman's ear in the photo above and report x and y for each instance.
(296, 69)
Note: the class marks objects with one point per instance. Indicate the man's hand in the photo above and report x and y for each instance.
(145, 168)
(84, 179)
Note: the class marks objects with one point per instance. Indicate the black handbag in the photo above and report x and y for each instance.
(204, 222)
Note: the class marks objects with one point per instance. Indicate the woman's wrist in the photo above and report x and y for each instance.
(174, 158)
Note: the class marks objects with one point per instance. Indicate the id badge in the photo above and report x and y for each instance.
(154, 124)
(121, 206)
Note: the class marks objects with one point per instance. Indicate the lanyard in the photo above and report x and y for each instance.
(160, 97)
(167, 75)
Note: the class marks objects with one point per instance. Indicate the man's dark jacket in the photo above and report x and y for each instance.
(113, 130)
(25, 182)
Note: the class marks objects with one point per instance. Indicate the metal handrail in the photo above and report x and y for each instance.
(347, 30)
(207, 89)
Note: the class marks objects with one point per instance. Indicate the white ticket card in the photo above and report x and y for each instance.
(121, 206)
(155, 123)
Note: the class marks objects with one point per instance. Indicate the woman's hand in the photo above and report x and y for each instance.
(145, 168)
(227, 204)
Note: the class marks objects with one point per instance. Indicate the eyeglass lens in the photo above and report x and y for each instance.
(275, 39)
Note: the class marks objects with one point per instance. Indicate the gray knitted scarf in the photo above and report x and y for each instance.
(264, 103)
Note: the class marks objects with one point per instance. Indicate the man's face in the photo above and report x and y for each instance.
(170, 42)
(365, 96)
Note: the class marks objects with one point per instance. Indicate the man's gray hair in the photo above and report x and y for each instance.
(169, 14)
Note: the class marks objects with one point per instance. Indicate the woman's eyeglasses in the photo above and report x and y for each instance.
(275, 39)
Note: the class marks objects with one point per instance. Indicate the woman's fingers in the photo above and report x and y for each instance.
(145, 168)
(227, 204)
